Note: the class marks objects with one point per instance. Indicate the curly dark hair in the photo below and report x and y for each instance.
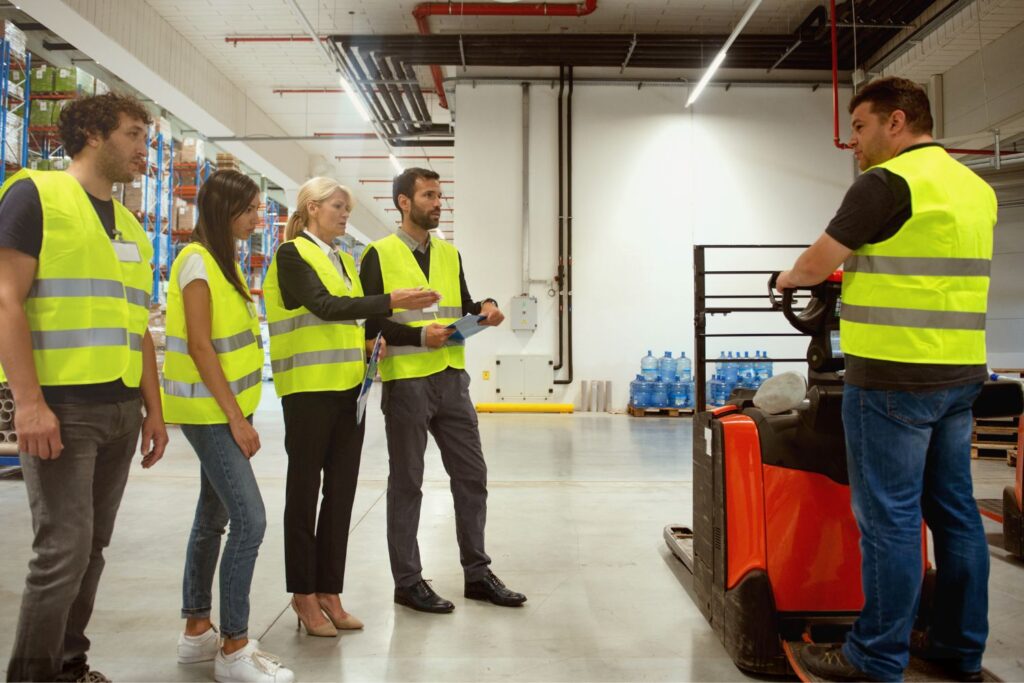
(99, 114)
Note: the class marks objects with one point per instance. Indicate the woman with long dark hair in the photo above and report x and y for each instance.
(211, 387)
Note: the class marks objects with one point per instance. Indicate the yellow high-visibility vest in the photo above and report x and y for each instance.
(921, 295)
(88, 308)
(306, 352)
(236, 338)
(399, 270)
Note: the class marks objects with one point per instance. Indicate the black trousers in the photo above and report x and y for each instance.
(321, 435)
(438, 405)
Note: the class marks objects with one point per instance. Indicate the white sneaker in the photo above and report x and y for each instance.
(201, 648)
(250, 664)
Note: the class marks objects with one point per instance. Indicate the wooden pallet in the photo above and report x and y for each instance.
(998, 438)
(659, 412)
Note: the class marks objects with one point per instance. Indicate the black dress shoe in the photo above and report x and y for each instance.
(829, 662)
(491, 588)
(920, 647)
(421, 597)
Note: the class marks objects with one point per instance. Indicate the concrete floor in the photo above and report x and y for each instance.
(576, 512)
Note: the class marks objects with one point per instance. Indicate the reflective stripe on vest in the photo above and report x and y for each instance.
(84, 313)
(236, 340)
(308, 353)
(199, 390)
(407, 317)
(399, 269)
(921, 296)
(225, 345)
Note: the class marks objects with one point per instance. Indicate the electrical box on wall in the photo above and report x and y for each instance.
(524, 378)
(523, 314)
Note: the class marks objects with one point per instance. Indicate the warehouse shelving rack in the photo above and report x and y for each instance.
(158, 224)
(702, 310)
(10, 103)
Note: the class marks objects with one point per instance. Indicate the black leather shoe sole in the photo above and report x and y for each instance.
(478, 594)
(432, 608)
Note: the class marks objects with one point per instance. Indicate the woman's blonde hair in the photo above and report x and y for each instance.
(314, 190)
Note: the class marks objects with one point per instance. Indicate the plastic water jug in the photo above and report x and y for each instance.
(747, 376)
(679, 394)
(659, 394)
(649, 367)
(637, 392)
(667, 368)
(730, 371)
(684, 368)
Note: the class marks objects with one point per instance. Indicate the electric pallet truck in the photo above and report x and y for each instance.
(774, 547)
(1009, 512)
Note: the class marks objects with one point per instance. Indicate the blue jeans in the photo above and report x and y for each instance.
(909, 454)
(227, 492)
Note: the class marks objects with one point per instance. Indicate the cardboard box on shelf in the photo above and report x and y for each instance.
(184, 216)
(41, 79)
(193, 151)
(101, 87)
(14, 36)
(41, 113)
(227, 161)
(133, 192)
(85, 83)
(65, 80)
(38, 164)
(59, 163)
(12, 143)
(57, 106)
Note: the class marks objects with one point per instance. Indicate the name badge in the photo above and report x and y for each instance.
(127, 252)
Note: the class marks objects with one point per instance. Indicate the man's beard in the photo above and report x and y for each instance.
(113, 169)
(423, 219)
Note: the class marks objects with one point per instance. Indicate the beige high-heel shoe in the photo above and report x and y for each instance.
(325, 630)
(349, 623)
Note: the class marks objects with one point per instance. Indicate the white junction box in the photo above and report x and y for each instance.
(524, 378)
(523, 313)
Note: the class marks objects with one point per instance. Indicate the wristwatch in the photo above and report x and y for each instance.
(489, 300)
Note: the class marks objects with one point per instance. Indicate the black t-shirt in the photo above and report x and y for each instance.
(21, 229)
(874, 209)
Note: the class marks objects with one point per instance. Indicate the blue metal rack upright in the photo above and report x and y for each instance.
(10, 103)
(163, 250)
(271, 240)
(9, 109)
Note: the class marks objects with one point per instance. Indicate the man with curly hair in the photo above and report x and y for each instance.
(75, 276)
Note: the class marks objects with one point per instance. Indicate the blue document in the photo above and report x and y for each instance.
(467, 326)
(371, 372)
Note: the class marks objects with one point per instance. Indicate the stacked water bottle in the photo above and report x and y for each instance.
(664, 382)
(732, 372)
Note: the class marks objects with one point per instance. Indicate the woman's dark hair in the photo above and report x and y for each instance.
(100, 114)
(224, 196)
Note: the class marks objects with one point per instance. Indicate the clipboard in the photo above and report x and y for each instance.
(467, 326)
(371, 372)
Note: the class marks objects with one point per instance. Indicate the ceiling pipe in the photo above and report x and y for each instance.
(325, 91)
(835, 98)
(423, 11)
(397, 156)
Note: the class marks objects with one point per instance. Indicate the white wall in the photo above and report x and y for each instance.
(650, 178)
(1006, 296)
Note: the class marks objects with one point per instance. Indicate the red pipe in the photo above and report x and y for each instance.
(424, 10)
(835, 80)
(835, 99)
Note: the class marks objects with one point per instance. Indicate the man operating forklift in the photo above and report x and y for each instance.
(914, 233)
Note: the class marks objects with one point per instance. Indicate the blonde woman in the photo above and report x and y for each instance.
(314, 302)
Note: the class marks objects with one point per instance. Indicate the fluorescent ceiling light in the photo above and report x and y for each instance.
(354, 99)
(394, 162)
(720, 57)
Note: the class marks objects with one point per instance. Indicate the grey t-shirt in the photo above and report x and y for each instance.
(874, 209)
